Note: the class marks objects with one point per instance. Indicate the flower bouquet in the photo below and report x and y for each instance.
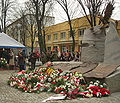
(96, 89)
(69, 84)
(3, 63)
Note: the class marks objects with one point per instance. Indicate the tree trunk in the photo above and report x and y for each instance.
(32, 46)
(71, 33)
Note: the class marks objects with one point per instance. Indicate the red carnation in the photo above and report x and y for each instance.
(53, 82)
(104, 91)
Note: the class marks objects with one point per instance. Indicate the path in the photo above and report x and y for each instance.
(12, 95)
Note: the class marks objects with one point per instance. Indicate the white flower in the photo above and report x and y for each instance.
(91, 85)
(101, 86)
(49, 79)
(62, 86)
(98, 81)
(57, 79)
(91, 82)
(26, 75)
(68, 84)
(89, 95)
(73, 87)
(80, 75)
(90, 90)
(99, 94)
(12, 84)
(96, 84)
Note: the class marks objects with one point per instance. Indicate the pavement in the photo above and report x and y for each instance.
(11, 95)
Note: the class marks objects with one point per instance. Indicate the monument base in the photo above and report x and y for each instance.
(113, 81)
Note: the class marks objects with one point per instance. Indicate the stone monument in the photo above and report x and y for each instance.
(95, 38)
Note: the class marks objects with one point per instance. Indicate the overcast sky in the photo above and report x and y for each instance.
(60, 16)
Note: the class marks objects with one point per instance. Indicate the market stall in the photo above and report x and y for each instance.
(6, 44)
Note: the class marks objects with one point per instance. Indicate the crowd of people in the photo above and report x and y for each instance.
(64, 56)
(19, 60)
(8, 55)
(69, 56)
(32, 58)
(13, 60)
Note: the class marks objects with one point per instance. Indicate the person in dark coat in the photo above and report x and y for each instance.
(6, 55)
(22, 60)
(33, 58)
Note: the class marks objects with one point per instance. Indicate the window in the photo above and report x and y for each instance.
(81, 31)
(70, 34)
(63, 35)
(49, 48)
(49, 37)
(56, 36)
(55, 48)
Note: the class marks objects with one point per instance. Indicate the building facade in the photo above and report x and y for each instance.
(58, 35)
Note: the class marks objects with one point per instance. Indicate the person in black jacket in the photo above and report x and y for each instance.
(33, 58)
(22, 60)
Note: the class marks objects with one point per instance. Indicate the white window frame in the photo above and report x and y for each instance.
(63, 35)
(55, 37)
(81, 31)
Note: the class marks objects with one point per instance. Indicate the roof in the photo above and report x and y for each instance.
(8, 42)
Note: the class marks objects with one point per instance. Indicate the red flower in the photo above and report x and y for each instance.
(16, 79)
(23, 78)
(38, 85)
(104, 91)
(65, 77)
(60, 70)
(42, 77)
(58, 90)
(21, 72)
(75, 91)
(94, 88)
(53, 82)
(25, 89)
(63, 92)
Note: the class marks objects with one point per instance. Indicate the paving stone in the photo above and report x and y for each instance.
(12, 95)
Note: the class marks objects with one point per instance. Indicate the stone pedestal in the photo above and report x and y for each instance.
(113, 81)
(112, 45)
(112, 56)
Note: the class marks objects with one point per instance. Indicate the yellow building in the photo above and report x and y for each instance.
(57, 36)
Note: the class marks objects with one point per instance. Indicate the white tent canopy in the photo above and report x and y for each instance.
(8, 42)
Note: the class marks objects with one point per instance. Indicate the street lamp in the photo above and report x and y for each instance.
(18, 25)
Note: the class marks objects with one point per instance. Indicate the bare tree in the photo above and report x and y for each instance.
(67, 6)
(102, 8)
(40, 8)
(31, 24)
(21, 23)
(6, 5)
